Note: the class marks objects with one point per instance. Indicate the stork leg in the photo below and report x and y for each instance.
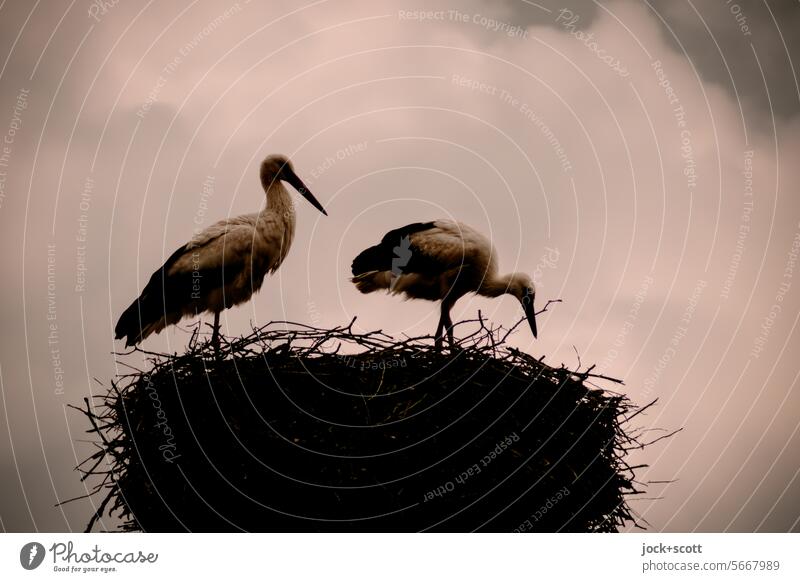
(440, 329)
(215, 335)
(448, 325)
(445, 325)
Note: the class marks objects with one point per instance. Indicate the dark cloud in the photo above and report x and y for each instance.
(721, 39)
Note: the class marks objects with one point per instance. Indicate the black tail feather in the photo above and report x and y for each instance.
(394, 247)
(135, 318)
(377, 258)
(148, 308)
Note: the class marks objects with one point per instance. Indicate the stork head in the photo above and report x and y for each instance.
(521, 287)
(279, 167)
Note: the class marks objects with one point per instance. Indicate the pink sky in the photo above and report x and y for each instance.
(646, 174)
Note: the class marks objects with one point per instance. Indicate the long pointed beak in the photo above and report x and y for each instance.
(530, 312)
(298, 185)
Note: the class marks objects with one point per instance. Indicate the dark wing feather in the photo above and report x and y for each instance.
(396, 251)
(167, 293)
(146, 307)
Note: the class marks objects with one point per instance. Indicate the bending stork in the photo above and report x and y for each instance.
(442, 261)
(222, 265)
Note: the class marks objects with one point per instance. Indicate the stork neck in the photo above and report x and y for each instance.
(278, 198)
(496, 286)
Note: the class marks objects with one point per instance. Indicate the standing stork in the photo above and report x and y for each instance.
(223, 265)
(442, 261)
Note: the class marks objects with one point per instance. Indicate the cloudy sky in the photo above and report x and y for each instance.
(639, 159)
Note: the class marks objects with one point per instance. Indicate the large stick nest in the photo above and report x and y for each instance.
(303, 429)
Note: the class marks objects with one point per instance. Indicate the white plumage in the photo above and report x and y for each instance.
(222, 265)
(442, 260)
